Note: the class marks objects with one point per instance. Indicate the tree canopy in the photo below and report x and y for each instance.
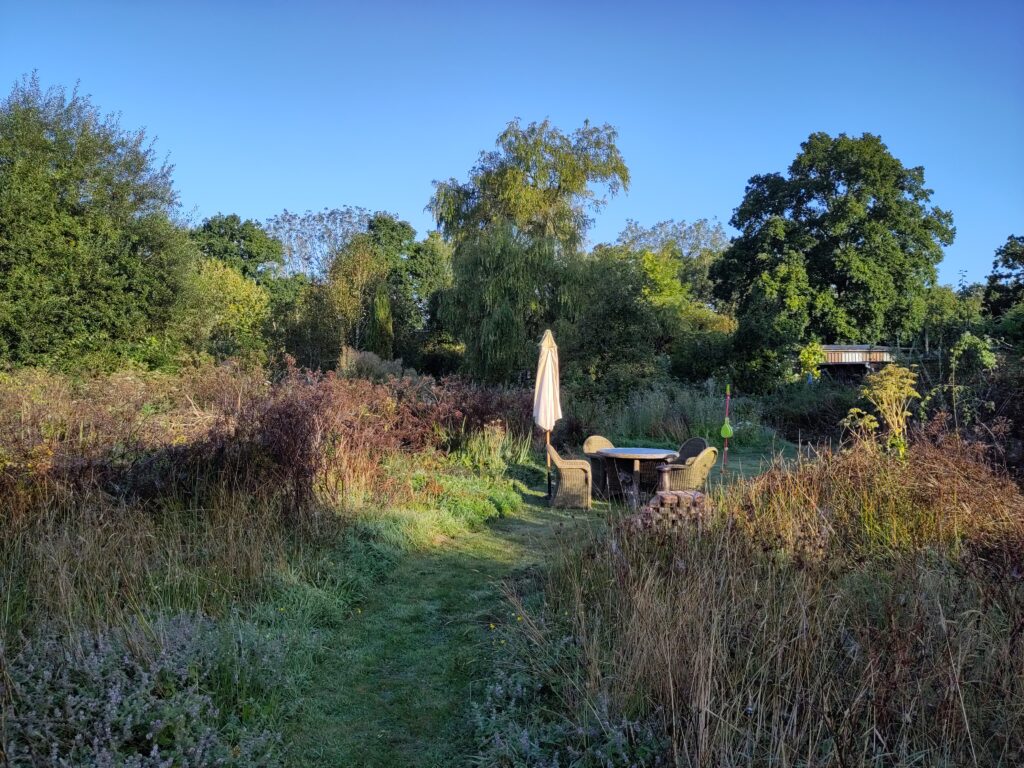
(90, 259)
(858, 222)
(539, 179)
(242, 245)
(1005, 286)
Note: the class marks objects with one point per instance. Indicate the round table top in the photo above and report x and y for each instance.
(637, 453)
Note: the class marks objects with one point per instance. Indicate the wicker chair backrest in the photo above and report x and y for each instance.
(691, 449)
(595, 443)
(702, 466)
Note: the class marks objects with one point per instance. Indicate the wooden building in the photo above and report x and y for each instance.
(843, 360)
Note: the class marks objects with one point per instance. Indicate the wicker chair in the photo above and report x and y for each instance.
(573, 489)
(691, 449)
(690, 475)
(591, 446)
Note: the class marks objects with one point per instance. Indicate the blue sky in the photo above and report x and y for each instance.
(304, 105)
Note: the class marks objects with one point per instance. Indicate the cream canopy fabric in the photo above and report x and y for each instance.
(547, 409)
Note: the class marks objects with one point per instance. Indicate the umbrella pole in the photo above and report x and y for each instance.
(547, 443)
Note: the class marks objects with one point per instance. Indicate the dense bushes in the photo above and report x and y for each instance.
(853, 610)
(663, 411)
(810, 412)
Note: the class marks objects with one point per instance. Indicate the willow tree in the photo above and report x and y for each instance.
(539, 179)
(524, 210)
(500, 300)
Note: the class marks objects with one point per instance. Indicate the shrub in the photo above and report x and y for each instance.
(179, 691)
(667, 412)
(803, 411)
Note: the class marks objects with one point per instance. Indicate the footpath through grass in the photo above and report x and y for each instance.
(392, 686)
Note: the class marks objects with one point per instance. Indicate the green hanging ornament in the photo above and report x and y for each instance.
(726, 432)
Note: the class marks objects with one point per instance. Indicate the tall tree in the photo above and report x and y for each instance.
(312, 239)
(90, 258)
(539, 179)
(242, 245)
(607, 322)
(499, 302)
(1005, 286)
(523, 212)
(859, 224)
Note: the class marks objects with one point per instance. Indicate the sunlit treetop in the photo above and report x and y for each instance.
(539, 179)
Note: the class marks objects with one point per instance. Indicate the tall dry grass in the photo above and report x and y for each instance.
(133, 492)
(849, 611)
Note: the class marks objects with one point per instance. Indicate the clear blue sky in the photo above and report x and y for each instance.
(302, 105)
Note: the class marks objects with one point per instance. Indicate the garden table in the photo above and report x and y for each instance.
(637, 456)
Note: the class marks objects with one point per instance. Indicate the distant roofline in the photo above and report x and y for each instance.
(856, 348)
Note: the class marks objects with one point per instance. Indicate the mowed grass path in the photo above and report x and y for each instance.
(394, 684)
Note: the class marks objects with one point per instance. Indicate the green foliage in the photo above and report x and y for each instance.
(500, 300)
(773, 317)
(242, 245)
(365, 282)
(803, 411)
(949, 313)
(854, 228)
(1005, 286)
(811, 357)
(539, 179)
(1011, 325)
(607, 327)
(891, 391)
(693, 248)
(222, 313)
(90, 259)
(971, 356)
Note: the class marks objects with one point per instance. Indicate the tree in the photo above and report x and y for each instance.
(311, 240)
(607, 323)
(948, 313)
(91, 260)
(514, 225)
(223, 313)
(693, 248)
(540, 180)
(857, 223)
(367, 280)
(242, 245)
(1005, 286)
(499, 302)
(773, 321)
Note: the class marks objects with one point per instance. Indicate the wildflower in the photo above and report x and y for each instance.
(492, 626)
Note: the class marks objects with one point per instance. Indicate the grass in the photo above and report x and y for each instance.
(347, 562)
(853, 610)
(392, 685)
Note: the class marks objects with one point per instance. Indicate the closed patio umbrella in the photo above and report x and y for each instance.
(547, 409)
